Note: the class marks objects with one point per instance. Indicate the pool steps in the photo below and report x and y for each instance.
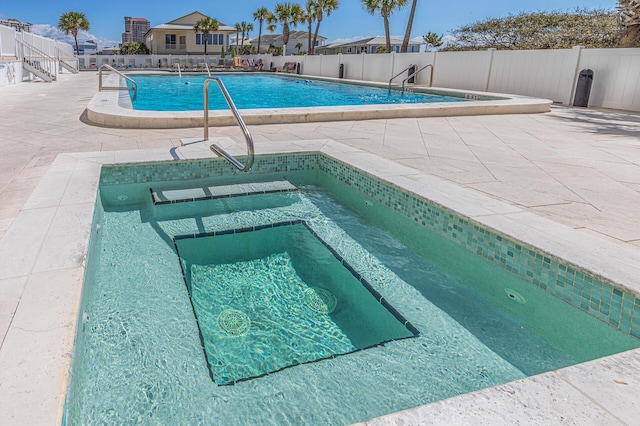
(182, 195)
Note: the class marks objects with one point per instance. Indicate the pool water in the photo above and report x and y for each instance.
(284, 306)
(250, 91)
(154, 346)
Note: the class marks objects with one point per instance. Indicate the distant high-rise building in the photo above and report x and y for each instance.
(135, 29)
(14, 23)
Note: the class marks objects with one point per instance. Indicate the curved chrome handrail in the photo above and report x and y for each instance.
(391, 79)
(247, 135)
(416, 73)
(109, 67)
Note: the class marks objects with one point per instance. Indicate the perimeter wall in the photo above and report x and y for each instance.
(549, 74)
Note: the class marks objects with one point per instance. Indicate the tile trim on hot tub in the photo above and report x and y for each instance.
(596, 295)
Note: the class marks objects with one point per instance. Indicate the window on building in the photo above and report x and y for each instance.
(217, 39)
(373, 49)
(170, 41)
(415, 48)
(183, 42)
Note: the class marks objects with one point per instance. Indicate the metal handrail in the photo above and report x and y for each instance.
(416, 73)
(215, 148)
(109, 67)
(406, 69)
(31, 54)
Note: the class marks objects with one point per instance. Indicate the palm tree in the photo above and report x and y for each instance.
(321, 7)
(245, 27)
(432, 39)
(630, 20)
(298, 46)
(71, 22)
(206, 26)
(261, 15)
(288, 15)
(309, 16)
(407, 32)
(238, 28)
(386, 8)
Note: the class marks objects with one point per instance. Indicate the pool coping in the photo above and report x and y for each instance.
(45, 247)
(113, 109)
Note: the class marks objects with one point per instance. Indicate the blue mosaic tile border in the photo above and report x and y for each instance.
(168, 171)
(582, 289)
(574, 285)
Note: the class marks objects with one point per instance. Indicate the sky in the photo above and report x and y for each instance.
(349, 21)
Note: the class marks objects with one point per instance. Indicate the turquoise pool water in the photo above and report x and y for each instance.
(144, 353)
(250, 91)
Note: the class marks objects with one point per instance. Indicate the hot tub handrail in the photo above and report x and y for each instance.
(406, 69)
(416, 73)
(247, 135)
(109, 67)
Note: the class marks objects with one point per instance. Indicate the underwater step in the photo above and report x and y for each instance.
(172, 196)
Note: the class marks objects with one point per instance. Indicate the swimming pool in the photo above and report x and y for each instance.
(116, 109)
(478, 324)
(249, 91)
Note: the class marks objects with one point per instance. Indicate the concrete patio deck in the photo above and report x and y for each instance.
(578, 167)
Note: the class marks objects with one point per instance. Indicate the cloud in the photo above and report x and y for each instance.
(46, 30)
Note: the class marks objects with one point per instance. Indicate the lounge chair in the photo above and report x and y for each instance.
(164, 63)
(132, 62)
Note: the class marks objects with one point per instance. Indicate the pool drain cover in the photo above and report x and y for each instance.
(515, 296)
(234, 323)
(320, 300)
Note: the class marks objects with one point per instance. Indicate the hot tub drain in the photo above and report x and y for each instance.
(234, 323)
(515, 296)
(320, 300)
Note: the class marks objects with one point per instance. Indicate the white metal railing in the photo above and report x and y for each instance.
(68, 62)
(415, 73)
(39, 63)
(397, 75)
(134, 89)
(247, 135)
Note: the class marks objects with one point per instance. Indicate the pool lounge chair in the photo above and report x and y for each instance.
(289, 67)
(132, 62)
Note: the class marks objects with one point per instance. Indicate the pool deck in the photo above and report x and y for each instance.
(572, 171)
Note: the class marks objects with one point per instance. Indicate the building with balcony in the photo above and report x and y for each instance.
(178, 37)
(298, 41)
(17, 25)
(366, 45)
(135, 29)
